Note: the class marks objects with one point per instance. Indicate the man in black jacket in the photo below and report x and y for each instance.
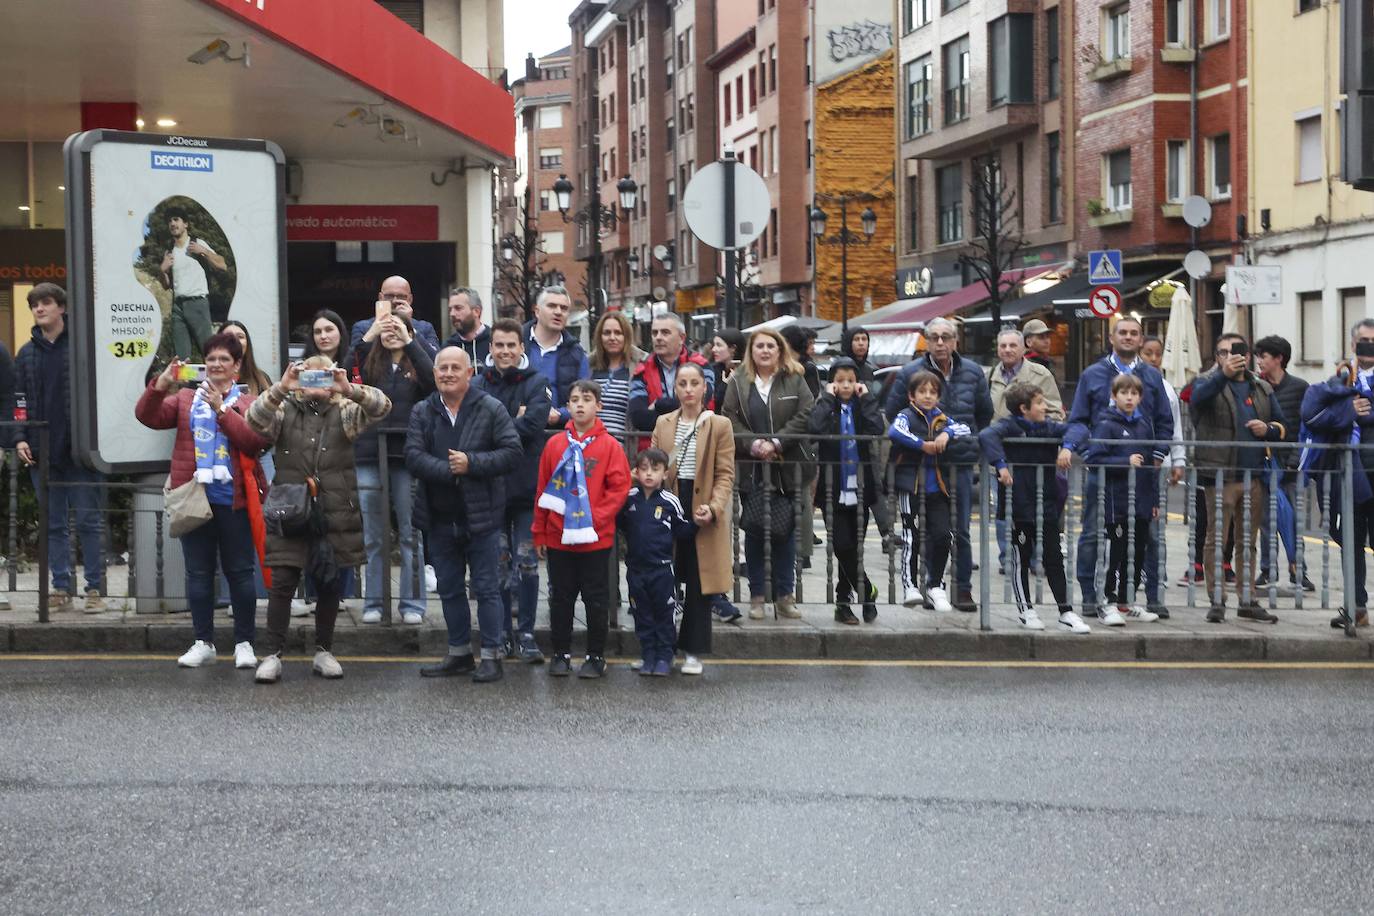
(460, 446)
(469, 334)
(1271, 363)
(525, 395)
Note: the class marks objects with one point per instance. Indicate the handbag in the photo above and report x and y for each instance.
(290, 509)
(187, 507)
(766, 510)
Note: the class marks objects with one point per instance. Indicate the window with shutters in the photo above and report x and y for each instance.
(411, 12)
(1118, 171)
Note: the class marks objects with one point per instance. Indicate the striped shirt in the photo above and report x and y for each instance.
(685, 449)
(615, 401)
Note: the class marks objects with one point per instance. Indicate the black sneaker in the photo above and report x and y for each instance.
(844, 615)
(1217, 614)
(507, 646)
(593, 668)
(871, 605)
(489, 670)
(560, 666)
(1307, 585)
(1262, 580)
(1256, 613)
(450, 666)
(964, 602)
(528, 650)
(1159, 609)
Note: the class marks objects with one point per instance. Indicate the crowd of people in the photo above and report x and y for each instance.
(508, 444)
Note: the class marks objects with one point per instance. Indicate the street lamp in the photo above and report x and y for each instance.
(629, 193)
(562, 189)
(632, 262)
(507, 247)
(817, 222)
(869, 221)
(598, 214)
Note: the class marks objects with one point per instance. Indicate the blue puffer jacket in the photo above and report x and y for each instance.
(516, 388)
(1123, 436)
(1005, 446)
(965, 399)
(42, 372)
(1093, 397)
(565, 365)
(1328, 413)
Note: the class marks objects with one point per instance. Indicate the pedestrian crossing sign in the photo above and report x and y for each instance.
(1104, 267)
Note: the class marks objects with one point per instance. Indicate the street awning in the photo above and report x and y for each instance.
(950, 304)
(1072, 292)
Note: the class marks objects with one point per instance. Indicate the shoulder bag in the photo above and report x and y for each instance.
(187, 507)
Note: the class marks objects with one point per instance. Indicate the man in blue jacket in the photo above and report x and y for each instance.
(965, 400)
(1340, 411)
(554, 352)
(1091, 399)
(396, 290)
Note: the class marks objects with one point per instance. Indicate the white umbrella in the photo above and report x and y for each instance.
(1182, 357)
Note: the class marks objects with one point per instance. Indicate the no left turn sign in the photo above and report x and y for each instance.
(1105, 301)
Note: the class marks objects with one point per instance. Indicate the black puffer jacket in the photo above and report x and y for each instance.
(488, 437)
(404, 390)
(965, 399)
(517, 388)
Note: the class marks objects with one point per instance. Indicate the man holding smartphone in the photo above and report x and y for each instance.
(1231, 404)
(395, 298)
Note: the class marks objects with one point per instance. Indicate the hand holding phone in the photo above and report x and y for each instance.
(191, 372)
(316, 378)
(383, 309)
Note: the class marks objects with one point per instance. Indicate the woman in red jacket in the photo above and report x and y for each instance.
(215, 446)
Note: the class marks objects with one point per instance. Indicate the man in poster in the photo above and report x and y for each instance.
(183, 272)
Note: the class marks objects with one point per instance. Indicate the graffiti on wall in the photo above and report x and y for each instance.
(866, 39)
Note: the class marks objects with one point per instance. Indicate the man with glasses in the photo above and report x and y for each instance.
(965, 400)
(1230, 404)
(396, 290)
(1340, 411)
(1091, 400)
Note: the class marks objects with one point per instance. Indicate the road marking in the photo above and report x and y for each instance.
(788, 662)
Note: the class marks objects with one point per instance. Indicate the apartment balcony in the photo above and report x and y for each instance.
(974, 133)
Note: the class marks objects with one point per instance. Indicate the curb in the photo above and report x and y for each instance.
(758, 643)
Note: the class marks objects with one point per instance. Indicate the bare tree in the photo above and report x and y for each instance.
(996, 241)
(520, 277)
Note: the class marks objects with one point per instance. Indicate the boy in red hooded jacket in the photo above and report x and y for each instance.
(584, 479)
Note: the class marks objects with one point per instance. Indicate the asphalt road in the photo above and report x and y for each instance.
(131, 786)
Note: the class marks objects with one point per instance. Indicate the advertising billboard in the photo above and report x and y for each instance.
(167, 237)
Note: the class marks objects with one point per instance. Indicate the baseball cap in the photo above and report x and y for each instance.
(1035, 326)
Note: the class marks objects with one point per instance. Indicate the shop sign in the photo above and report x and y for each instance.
(360, 223)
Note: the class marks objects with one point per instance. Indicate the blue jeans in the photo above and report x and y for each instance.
(375, 516)
(228, 538)
(963, 542)
(784, 561)
(86, 501)
(1086, 565)
(455, 552)
(519, 569)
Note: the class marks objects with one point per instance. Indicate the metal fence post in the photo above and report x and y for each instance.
(44, 510)
(1351, 541)
(384, 485)
(984, 553)
(12, 549)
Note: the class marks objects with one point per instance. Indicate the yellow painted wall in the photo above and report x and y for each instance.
(854, 124)
(1295, 67)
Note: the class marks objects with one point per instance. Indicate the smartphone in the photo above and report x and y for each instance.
(191, 372)
(383, 309)
(1240, 348)
(1364, 348)
(317, 378)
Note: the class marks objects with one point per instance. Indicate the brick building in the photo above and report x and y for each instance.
(544, 141)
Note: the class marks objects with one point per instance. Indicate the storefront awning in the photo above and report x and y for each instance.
(1072, 292)
(950, 304)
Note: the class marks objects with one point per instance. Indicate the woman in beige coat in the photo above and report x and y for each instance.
(701, 452)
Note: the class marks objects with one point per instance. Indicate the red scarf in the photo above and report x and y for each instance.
(256, 523)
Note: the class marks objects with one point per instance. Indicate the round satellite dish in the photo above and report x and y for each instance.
(1197, 264)
(660, 251)
(1197, 212)
(660, 292)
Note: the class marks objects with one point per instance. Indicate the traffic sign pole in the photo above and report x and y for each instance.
(731, 289)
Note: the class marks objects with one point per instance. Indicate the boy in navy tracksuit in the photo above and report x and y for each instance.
(1123, 434)
(652, 520)
(1026, 471)
(920, 433)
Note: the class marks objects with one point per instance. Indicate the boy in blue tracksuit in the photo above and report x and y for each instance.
(1027, 473)
(1122, 444)
(920, 433)
(652, 520)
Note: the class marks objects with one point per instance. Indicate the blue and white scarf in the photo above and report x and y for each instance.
(566, 493)
(849, 457)
(212, 446)
(1361, 384)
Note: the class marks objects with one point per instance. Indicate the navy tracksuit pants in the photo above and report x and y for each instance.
(653, 599)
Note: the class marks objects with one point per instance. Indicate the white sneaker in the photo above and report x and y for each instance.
(637, 664)
(301, 607)
(372, 616)
(938, 601)
(413, 618)
(244, 657)
(202, 653)
(269, 670)
(1031, 620)
(691, 665)
(431, 580)
(1138, 612)
(911, 597)
(1111, 617)
(326, 665)
(1073, 623)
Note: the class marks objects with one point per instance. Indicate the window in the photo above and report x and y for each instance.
(990, 183)
(1177, 17)
(669, 130)
(1219, 166)
(948, 5)
(1218, 19)
(1352, 310)
(1118, 167)
(739, 96)
(807, 129)
(773, 232)
(550, 116)
(949, 202)
(684, 48)
(1177, 171)
(1116, 32)
(762, 73)
(671, 191)
(773, 68)
(918, 84)
(1055, 177)
(1310, 164)
(956, 80)
(911, 210)
(753, 89)
(691, 121)
(915, 13)
(670, 72)
(1310, 349)
(806, 56)
(726, 107)
(1011, 56)
(550, 157)
(1052, 77)
(552, 242)
(1306, 6)
(545, 201)
(634, 91)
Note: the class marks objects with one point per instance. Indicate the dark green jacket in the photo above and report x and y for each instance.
(1214, 418)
